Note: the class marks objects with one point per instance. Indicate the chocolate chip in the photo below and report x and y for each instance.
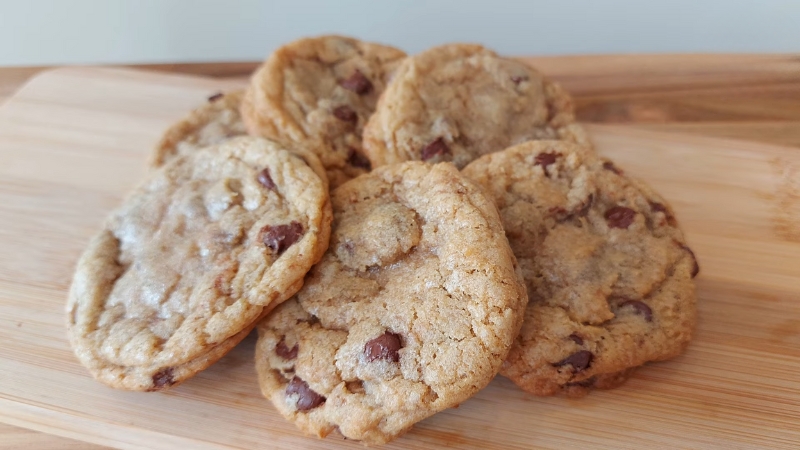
(285, 352)
(517, 79)
(163, 378)
(345, 114)
(266, 179)
(356, 159)
(620, 217)
(696, 268)
(306, 398)
(215, 97)
(437, 147)
(280, 237)
(608, 165)
(579, 360)
(545, 159)
(576, 339)
(357, 83)
(384, 346)
(640, 307)
(658, 207)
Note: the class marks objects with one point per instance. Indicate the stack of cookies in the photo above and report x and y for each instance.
(399, 229)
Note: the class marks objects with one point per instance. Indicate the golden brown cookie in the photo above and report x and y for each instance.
(411, 310)
(319, 92)
(198, 253)
(458, 102)
(212, 123)
(608, 271)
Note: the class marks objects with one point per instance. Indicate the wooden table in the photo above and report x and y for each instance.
(748, 97)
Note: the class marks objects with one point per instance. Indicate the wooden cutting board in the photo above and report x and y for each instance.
(74, 141)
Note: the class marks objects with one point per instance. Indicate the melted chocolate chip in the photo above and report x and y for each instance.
(285, 352)
(545, 159)
(280, 237)
(265, 179)
(696, 268)
(576, 339)
(579, 360)
(163, 378)
(517, 79)
(620, 217)
(658, 207)
(306, 398)
(356, 159)
(435, 148)
(640, 307)
(357, 83)
(384, 346)
(215, 97)
(345, 114)
(608, 165)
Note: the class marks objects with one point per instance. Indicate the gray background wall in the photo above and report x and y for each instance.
(36, 32)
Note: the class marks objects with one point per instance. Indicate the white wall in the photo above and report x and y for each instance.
(111, 31)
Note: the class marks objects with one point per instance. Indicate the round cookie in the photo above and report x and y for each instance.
(458, 102)
(197, 254)
(411, 310)
(320, 92)
(608, 271)
(209, 124)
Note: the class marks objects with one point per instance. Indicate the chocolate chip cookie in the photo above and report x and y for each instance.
(411, 310)
(458, 102)
(194, 257)
(320, 92)
(212, 123)
(608, 271)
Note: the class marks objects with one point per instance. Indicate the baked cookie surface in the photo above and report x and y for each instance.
(608, 271)
(458, 102)
(411, 310)
(319, 92)
(210, 124)
(198, 253)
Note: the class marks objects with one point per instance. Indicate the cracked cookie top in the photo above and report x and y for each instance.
(457, 102)
(320, 92)
(411, 310)
(193, 258)
(210, 124)
(608, 271)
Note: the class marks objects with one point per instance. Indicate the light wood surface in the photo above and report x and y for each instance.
(741, 96)
(73, 141)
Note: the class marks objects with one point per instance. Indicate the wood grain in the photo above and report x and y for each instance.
(73, 142)
(751, 97)
(15, 438)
